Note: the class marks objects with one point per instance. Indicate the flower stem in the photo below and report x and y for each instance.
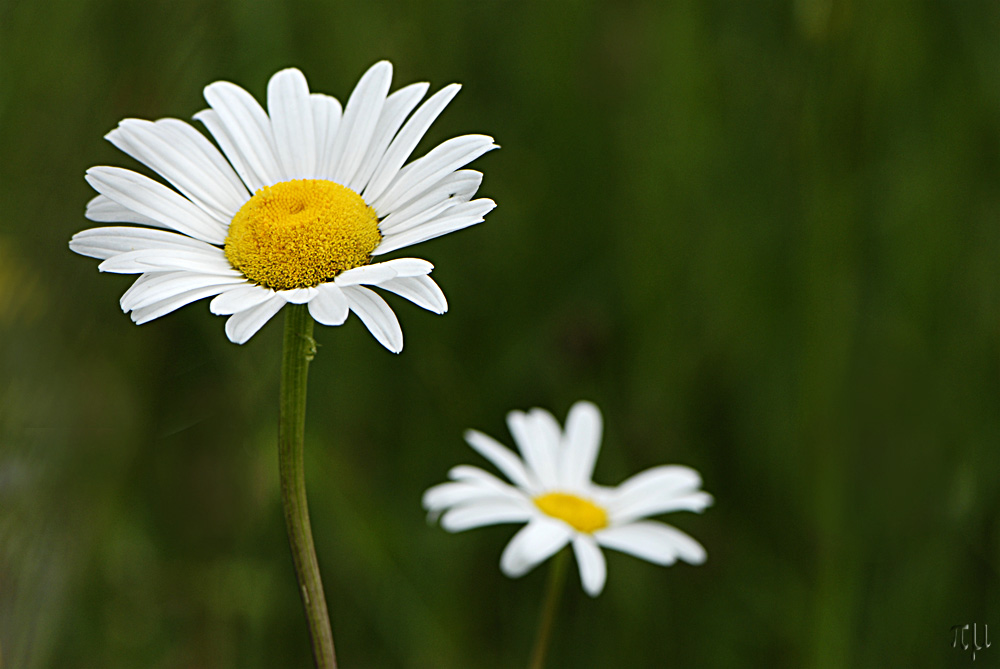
(547, 616)
(299, 349)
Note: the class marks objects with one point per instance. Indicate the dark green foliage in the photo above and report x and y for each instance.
(763, 237)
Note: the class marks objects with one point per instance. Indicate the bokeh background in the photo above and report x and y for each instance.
(763, 236)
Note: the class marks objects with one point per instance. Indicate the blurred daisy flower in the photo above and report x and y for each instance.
(293, 209)
(554, 494)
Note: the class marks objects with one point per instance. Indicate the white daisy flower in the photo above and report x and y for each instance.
(553, 493)
(292, 210)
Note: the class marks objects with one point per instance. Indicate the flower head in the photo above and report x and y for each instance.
(293, 209)
(554, 494)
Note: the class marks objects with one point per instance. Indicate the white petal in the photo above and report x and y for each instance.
(660, 502)
(421, 290)
(248, 127)
(243, 325)
(366, 274)
(456, 188)
(455, 218)
(172, 303)
(150, 288)
(548, 433)
(376, 315)
(482, 478)
(291, 112)
(377, 273)
(463, 493)
(656, 542)
(361, 115)
(105, 210)
(665, 477)
(406, 267)
(503, 458)
(330, 306)
(326, 118)
(537, 541)
(652, 489)
(160, 259)
(240, 299)
(106, 242)
(593, 568)
(187, 135)
(580, 444)
(213, 123)
(424, 173)
(298, 295)
(393, 226)
(154, 200)
(480, 514)
(397, 107)
(190, 163)
(403, 144)
(446, 495)
(537, 442)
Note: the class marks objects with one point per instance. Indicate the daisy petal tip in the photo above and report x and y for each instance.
(425, 500)
(511, 565)
(234, 336)
(392, 344)
(289, 72)
(243, 325)
(454, 472)
(238, 340)
(217, 87)
(448, 527)
(471, 435)
(376, 315)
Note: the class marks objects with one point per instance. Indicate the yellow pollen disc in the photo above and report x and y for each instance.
(581, 514)
(301, 233)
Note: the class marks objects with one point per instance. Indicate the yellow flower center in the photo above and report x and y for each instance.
(301, 233)
(581, 514)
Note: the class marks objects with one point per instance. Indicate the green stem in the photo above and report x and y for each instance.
(547, 617)
(299, 349)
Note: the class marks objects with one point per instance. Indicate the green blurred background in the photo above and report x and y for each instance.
(763, 237)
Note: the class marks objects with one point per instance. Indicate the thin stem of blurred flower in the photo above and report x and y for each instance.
(546, 619)
(299, 349)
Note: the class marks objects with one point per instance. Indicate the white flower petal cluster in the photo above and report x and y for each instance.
(553, 493)
(176, 245)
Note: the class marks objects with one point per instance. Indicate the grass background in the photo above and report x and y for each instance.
(762, 236)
